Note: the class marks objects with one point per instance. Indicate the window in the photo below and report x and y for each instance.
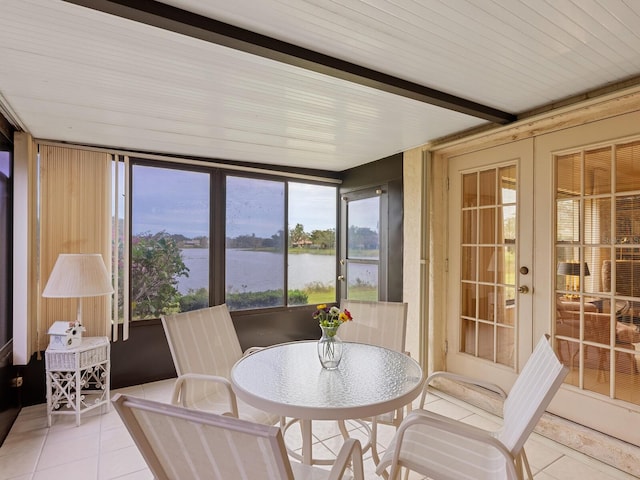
(169, 241)
(312, 244)
(254, 253)
(274, 238)
(255, 243)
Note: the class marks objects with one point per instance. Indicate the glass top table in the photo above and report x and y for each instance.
(288, 380)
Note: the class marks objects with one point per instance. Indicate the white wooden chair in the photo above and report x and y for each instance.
(445, 449)
(376, 323)
(179, 443)
(204, 346)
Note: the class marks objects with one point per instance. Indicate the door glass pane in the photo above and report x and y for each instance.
(363, 248)
(170, 240)
(488, 187)
(312, 244)
(469, 263)
(254, 267)
(470, 190)
(469, 227)
(488, 288)
(568, 175)
(363, 239)
(597, 171)
(598, 272)
(362, 281)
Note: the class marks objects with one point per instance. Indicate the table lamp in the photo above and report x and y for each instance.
(77, 276)
(571, 270)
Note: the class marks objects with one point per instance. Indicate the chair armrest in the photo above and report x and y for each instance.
(431, 427)
(460, 378)
(350, 453)
(178, 396)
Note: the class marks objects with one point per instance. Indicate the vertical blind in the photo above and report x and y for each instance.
(75, 217)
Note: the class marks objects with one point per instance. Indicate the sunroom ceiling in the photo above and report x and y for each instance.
(77, 74)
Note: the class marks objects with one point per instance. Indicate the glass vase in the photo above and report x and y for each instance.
(330, 348)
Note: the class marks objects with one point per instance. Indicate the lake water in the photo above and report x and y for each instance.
(265, 273)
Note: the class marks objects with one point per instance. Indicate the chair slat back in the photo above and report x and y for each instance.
(203, 341)
(178, 443)
(530, 395)
(377, 323)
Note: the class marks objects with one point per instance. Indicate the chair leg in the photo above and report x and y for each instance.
(343, 429)
(373, 438)
(522, 464)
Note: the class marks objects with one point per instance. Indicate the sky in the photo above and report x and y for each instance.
(177, 201)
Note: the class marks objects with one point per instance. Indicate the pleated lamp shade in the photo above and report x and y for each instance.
(78, 275)
(572, 268)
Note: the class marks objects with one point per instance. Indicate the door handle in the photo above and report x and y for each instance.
(340, 277)
(523, 289)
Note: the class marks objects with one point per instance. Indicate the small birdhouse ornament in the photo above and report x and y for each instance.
(65, 335)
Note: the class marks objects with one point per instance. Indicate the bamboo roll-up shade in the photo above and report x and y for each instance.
(75, 217)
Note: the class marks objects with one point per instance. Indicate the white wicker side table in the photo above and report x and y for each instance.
(78, 378)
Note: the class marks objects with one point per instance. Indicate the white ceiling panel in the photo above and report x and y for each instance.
(75, 74)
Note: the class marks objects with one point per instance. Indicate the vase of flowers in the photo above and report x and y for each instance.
(330, 346)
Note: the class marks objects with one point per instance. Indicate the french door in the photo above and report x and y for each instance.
(490, 287)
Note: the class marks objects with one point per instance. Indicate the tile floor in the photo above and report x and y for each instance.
(101, 448)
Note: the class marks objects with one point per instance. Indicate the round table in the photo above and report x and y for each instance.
(288, 380)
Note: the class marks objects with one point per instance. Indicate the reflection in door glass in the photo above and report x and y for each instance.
(363, 248)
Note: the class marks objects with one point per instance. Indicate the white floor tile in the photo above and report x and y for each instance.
(121, 462)
(18, 464)
(63, 449)
(115, 439)
(139, 475)
(448, 409)
(28, 476)
(159, 391)
(75, 470)
(566, 468)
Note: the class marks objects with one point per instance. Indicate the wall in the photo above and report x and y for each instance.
(416, 261)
